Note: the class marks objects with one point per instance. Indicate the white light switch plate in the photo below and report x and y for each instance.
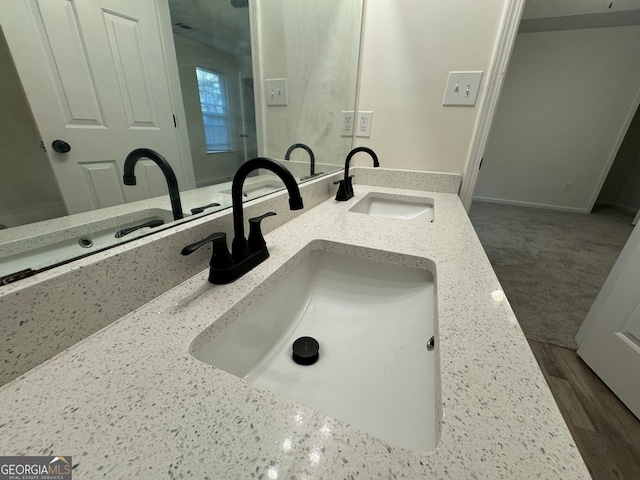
(462, 88)
(276, 91)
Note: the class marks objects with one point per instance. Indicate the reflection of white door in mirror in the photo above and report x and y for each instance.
(95, 75)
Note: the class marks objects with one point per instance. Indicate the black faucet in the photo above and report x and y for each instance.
(312, 157)
(345, 188)
(246, 254)
(172, 183)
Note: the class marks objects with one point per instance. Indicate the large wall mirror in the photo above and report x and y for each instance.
(207, 84)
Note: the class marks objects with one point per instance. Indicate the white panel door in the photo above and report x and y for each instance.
(96, 76)
(609, 339)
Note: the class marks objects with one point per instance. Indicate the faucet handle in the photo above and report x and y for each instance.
(220, 256)
(256, 240)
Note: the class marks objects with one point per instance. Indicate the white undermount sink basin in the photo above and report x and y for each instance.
(396, 206)
(373, 321)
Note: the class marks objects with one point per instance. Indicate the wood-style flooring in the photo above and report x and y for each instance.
(605, 431)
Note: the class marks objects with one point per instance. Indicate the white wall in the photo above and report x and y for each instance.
(563, 107)
(629, 195)
(28, 190)
(409, 49)
(622, 187)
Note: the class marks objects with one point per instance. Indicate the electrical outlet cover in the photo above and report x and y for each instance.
(363, 125)
(346, 127)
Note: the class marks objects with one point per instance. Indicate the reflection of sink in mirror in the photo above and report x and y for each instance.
(396, 206)
(258, 188)
(56, 247)
(372, 320)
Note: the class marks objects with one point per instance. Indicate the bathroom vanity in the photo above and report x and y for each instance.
(132, 400)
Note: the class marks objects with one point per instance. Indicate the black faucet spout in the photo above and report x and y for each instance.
(239, 246)
(312, 157)
(353, 152)
(345, 190)
(172, 182)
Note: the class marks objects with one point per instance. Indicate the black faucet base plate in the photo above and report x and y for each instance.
(223, 277)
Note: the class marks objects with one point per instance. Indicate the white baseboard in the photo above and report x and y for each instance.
(530, 204)
(625, 208)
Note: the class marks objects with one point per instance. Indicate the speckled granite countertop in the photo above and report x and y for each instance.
(131, 402)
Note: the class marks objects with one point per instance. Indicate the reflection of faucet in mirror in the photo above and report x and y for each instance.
(172, 183)
(246, 254)
(312, 159)
(345, 189)
(149, 224)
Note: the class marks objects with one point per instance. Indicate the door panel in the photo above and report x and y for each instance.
(68, 64)
(129, 60)
(151, 179)
(609, 338)
(96, 76)
(104, 178)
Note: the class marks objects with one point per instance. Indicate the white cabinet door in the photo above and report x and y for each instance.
(96, 76)
(609, 339)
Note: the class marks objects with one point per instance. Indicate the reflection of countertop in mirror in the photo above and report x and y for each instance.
(130, 401)
(17, 239)
(51, 242)
(26, 237)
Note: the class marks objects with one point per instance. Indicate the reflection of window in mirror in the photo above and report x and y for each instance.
(215, 110)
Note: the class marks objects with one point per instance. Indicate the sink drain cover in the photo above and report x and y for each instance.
(305, 351)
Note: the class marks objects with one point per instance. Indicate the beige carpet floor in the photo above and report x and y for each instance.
(551, 264)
